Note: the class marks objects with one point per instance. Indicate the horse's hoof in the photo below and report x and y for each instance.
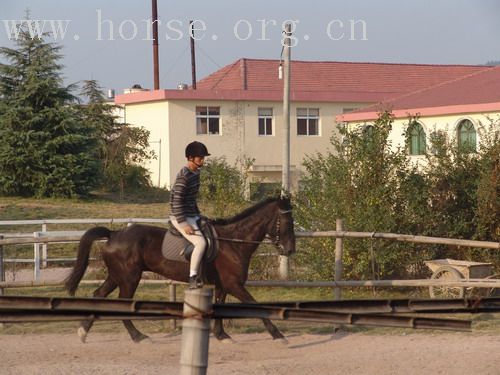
(147, 340)
(282, 340)
(142, 338)
(82, 334)
(227, 340)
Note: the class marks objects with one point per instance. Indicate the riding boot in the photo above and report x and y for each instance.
(195, 282)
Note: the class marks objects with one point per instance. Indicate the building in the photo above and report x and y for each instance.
(465, 109)
(237, 111)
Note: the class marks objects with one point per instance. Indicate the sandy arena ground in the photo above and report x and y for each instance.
(413, 353)
(252, 354)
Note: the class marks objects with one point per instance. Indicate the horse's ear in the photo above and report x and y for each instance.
(285, 199)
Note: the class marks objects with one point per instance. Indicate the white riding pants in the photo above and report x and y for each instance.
(197, 239)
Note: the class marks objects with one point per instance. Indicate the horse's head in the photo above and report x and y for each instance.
(283, 235)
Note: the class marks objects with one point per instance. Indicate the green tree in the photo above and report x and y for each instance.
(46, 149)
(223, 186)
(359, 181)
(488, 196)
(123, 148)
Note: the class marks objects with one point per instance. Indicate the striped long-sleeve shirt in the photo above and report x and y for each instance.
(184, 193)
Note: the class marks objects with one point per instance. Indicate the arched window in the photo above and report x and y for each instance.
(416, 139)
(466, 135)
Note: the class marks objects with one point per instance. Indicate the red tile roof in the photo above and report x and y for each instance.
(323, 81)
(475, 92)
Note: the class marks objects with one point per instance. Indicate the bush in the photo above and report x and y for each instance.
(375, 188)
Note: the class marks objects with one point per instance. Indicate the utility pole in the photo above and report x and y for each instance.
(285, 177)
(285, 183)
(193, 57)
(156, 63)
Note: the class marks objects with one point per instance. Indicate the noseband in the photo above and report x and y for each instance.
(277, 237)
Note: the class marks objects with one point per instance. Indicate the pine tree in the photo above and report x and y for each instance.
(46, 148)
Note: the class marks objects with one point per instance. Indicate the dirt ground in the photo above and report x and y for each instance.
(411, 353)
(252, 354)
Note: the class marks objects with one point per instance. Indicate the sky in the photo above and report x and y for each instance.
(110, 40)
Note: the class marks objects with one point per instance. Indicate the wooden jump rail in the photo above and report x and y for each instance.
(464, 283)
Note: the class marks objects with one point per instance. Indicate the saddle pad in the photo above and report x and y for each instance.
(172, 247)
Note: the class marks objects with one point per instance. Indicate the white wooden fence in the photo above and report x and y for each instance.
(40, 257)
(42, 238)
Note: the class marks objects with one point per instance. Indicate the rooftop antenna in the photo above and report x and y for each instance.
(193, 57)
(156, 63)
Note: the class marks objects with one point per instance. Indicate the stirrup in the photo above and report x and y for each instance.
(195, 282)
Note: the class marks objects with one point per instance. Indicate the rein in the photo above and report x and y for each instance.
(276, 241)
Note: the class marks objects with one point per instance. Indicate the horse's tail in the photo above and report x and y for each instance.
(82, 259)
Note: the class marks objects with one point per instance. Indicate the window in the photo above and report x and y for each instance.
(207, 120)
(416, 139)
(261, 190)
(265, 121)
(347, 110)
(466, 135)
(307, 121)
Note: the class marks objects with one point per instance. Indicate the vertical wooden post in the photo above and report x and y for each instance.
(339, 249)
(195, 331)
(284, 267)
(36, 258)
(172, 289)
(44, 248)
(2, 269)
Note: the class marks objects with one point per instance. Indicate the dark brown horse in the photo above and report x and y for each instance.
(130, 251)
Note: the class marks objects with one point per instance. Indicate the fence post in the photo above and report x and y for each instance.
(195, 331)
(44, 248)
(2, 269)
(339, 249)
(172, 289)
(36, 258)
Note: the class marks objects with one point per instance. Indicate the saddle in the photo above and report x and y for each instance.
(175, 247)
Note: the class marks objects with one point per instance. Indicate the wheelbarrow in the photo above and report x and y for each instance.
(451, 270)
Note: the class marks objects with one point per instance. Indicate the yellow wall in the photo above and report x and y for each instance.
(446, 123)
(174, 122)
(154, 117)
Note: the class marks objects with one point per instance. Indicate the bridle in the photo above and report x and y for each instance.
(277, 237)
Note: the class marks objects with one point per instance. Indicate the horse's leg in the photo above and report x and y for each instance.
(244, 296)
(103, 291)
(127, 290)
(219, 333)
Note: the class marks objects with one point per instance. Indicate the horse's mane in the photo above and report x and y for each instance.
(245, 213)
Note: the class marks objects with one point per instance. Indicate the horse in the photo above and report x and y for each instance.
(131, 251)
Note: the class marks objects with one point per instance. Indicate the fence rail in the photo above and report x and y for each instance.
(41, 239)
(82, 221)
(403, 238)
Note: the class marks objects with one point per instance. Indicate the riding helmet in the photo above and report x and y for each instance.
(196, 149)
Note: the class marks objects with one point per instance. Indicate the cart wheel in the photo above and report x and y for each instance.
(446, 273)
(483, 292)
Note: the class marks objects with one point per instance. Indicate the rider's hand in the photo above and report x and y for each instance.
(188, 229)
